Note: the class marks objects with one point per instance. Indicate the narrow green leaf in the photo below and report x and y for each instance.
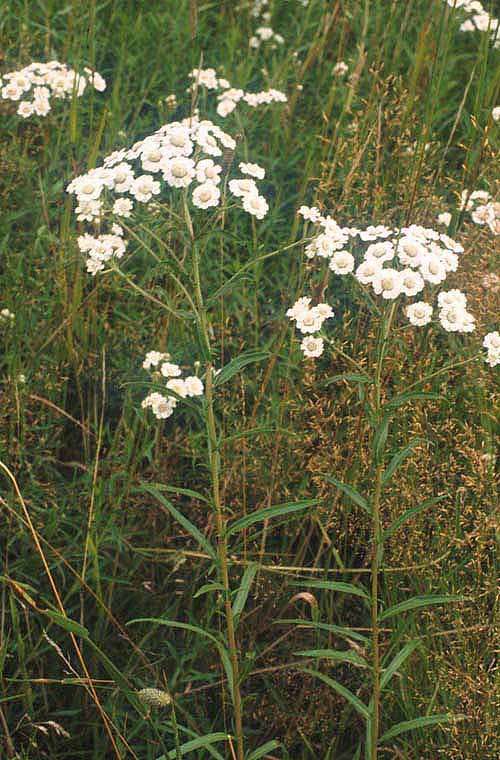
(237, 364)
(419, 601)
(202, 742)
(404, 398)
(398, 660)
(226, 662)
(380, 438)
(66, 623)
(207, 588)
(350, 377)
(398, 459)
(264, 514)
(334, 654)
(343, 588)
(264, 750)
(339, 630)
(410, 725)
(358, 705)
(244, 589)
(351, 492)
(400, 521)
(187, 524)
(182, 491)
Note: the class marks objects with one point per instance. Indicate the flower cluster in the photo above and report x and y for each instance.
(340, 69)
(479, 19)
(229, 97)
(178, 387)
(393, 263)
(6, 316)
(34, 86)
(495, 114)
(491, 343)
(265, 34)
(176, 156)
(482, 208)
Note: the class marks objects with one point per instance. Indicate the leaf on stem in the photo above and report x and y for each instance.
(236, 365)
(351, 493)
(343, 588)
(265, 514)
(358, 705)
(427, 720)
(399, 458)
(419, 601)
(400, 521)
(244, 590)
(398, 660)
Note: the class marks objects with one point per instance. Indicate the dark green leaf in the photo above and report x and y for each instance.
(244, 589)
(410, 513)
(66, 623)
(340, 586)
(265, 514)
(336, 686)
(419, 601)
(237, 364)
(199, 743)
(410, 725)
(398, 660)
(339, 630)
(351, 492)
(398, 459)
(334, 654)
(403, 398)
(264, 750)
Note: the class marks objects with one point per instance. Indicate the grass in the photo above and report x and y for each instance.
(88, 545)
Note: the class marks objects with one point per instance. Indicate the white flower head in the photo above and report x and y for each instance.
(419, 313)
(312, 347)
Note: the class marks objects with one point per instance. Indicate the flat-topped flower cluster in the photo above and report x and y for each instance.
(178, 156)
(392, 263)
(479, 19)
(482, 208)
(491, 343)
(34, 85)
(229, 97)
(162, 369)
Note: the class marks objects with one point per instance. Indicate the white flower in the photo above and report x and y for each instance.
(367, 271)
(432, 269)
(387, 283)
(208, 171)
(380, 252)
(205, 77)
(419, 313)
(123, 207)
(374, 232)
(451, 244)
(312, 347)
(483, 214)
(455, 318)
(254, 170)
(6, 315)
(310, 213)
(179, 171)
(340, 69)
(12, 91)
(255, 205)
(452, 298)
(411, 282)
(193, 386)
(151, 157)
(161, 406)
(153, 358)
(342, 262)
(243, 187)
(491, 342)
(168, 369)
(411, 252)
(25, 109)
(206, 195)
(299, 307)
(311, 320)
(178, 386)
(226, 106)
(496, 113)
(444, 218)
(144, 187)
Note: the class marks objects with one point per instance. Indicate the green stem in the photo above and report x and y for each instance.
(222, 550)
(377, 541)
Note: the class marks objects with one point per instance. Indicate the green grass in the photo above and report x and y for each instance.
(81, 532)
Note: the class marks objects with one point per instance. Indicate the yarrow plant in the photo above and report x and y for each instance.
(181, 157)
(230, 96)
(478, 19)
(34, 86)
(176, 386)
(389, 267)
(482, 209)
(391, 263)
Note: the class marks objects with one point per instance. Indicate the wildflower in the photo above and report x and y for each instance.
(255, 205)
(153, 358)
(6, 315)
(419, 313)
(167, 369)
(342, 262)
(411, 252)
(387, 283)
(193, 386)
(444, 218)
(380, 251)
(432, 269)
(161, 406)
(208, 171)
(496, 113)
(456, 318)
(206, 195)
(312, 347)
(491, 342)
(367, 271)
(243, 187)
(178, 386)
(452, 298)
(310, 213)
(254, 170)
(179, 171)
(123, 207)
(144, 187)
(411, 282)
(340, 69)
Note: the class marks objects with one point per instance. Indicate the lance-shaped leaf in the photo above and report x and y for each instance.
(265, 514)
(398, 660)
(340, 630)
(411, 725)
(419, 601)
(334, 654)
(398, 458)
(237, 364)
(358, 705)
(340, 586)
(187, 524)
(351, 492)
(202, 742)
(400, 521)
(263, 750)
(404, 398)
(244, 590)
